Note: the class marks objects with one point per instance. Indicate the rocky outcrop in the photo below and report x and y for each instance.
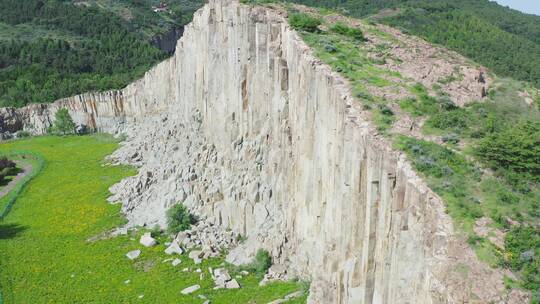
(99, 111)
(253, 133)
(167, 41)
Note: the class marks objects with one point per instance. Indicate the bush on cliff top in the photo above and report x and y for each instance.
(304, 22)
(345, 30)
(516, 148)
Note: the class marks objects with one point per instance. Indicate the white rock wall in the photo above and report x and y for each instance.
(264, 139)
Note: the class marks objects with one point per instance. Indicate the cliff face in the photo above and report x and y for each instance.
(248, 129)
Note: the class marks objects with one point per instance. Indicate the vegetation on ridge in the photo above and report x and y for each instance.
(486, 166)
(502, 39)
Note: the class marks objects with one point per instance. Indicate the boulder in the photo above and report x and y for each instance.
(190, 289)
(174, 248)
(195, 254)
(147, 240)
(176, 262)
(232, 284)
(132, 255)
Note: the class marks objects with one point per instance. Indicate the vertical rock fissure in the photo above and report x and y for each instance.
(373, 216)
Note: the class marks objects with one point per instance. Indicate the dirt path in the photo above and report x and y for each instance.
(26, 169)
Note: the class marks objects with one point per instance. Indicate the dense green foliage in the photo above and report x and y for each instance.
(343, 29)
(516, 148)
(51, 246)
(304, 22)
(522, 247)
(179, 218)
(6, 166)
(63, 123)
(505, 40)
(77, 48)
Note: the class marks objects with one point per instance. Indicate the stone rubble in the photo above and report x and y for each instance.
(276, 272)
(147, 240)
(174, 248)
(210, 238)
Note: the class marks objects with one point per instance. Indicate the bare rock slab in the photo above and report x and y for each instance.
(174, 248)
(132, 255)
(147, 240)
(232, 284)
(190, 289)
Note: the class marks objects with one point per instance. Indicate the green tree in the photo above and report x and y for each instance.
(516, 148)
(63, 123)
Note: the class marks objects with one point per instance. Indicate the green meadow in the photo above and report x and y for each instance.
(45, 254)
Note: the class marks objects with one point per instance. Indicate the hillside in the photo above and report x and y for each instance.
(368, 163)
(32, 31)
(55, 49)
(502, 39)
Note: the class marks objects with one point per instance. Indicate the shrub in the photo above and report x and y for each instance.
(450, 138)
(474, 239)
(516, 148)
(522, 245)
(304, 22)
(6, 166)
(179, 218)
(352, 32)
(23, 134)
(446, 103)
(385, 110)
(443, 120)
(260, 263)
(6, 163)
(63, 123)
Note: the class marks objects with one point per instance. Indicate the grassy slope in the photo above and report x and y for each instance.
(479, 29)
(44, 255)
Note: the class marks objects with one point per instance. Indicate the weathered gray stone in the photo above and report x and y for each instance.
(174, 248)
(190, 289)
(132, 255)
(232, 284)
(147, 240)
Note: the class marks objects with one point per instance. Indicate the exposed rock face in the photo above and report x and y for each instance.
(251, 131)
(99, 111)
(167, 41)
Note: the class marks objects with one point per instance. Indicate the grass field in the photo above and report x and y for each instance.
(45, 256)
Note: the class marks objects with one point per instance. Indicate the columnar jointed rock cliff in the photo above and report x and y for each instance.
(248, 129)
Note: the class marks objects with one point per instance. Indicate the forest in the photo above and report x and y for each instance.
(89, 48)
